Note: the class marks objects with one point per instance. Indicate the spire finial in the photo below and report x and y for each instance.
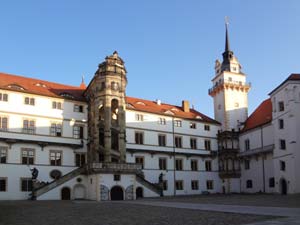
(227, 46)
(82, 85)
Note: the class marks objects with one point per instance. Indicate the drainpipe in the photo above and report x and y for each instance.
(263, 159)
(174, 160)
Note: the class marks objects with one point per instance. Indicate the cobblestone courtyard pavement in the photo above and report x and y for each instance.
(175, 211)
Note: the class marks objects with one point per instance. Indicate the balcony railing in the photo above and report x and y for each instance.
(229, 82)
(114, 167)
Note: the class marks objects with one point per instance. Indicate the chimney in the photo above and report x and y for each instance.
(186, 106)
(158, 102)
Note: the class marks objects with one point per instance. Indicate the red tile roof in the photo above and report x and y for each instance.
(166, 109)
(293, 76)
(40, 87)
(46, 88)
(262, 115)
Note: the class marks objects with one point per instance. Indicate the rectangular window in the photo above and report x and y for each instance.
(282, 144)
(247, 164)
(56, 105)
(282, 165)
(247, 144)
(206, 127)
(207, 145)
(117, 177)
(280, 124)
(165, 185)
(178, 142)
(179, 184)
(3, 184)
(208, 165)
(271, 182)
(29, 126)
(140, 160)
(3, 123)
(195, 185)
(162, 140)
(179, 164)
(55, 158)
(3, 97)
(139, 138)
(139, 117)
(3, 154)
(162, 163)
(79, 159)
(177, 123)
(78, 131)
(162, 121)
(192, 125)
(55, 129)
(194, 164)
(26, 184)
(27, 156)
(29, 101)
(209, 184)
(249, 184)
(281, 106)
(78, 108)
(193, 143)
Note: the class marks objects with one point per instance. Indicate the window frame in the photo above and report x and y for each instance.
(57, 162)
(3, 117)
(139, 137)
(30, 129)
(194, 165)
(80, 134)
(178, 123)
(209, 184)
(29, 186)
(162, 163)
(178, 141)
(193, 143)
(179, 186)
(194, 185)
(2, 150)
(207, 144)
(54, 129)
(28, 156)
(208, 165)
(140, 160)
(178, 164)
(5, 184)
(162, 140)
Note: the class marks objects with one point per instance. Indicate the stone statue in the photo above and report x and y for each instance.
(34, 173)
(160, 178)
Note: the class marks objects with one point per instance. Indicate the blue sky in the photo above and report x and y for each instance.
(169, 47)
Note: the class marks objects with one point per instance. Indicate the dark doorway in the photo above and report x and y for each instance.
(139, 192)
(65, 193)
(116, 193)
(283, 187)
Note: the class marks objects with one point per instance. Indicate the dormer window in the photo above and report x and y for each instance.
(16, 86)
(140, 103)
(66, 95)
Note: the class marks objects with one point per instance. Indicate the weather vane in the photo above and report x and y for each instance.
(226, 20)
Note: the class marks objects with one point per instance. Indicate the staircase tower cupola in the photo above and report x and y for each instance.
(106, 117)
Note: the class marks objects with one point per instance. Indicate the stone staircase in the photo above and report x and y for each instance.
(48, 187)
(153, 187)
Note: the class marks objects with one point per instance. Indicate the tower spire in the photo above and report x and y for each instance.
(227, 46)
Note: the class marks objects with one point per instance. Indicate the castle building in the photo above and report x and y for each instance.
(94, 142)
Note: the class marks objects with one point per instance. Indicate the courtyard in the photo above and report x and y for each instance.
(160, 211)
